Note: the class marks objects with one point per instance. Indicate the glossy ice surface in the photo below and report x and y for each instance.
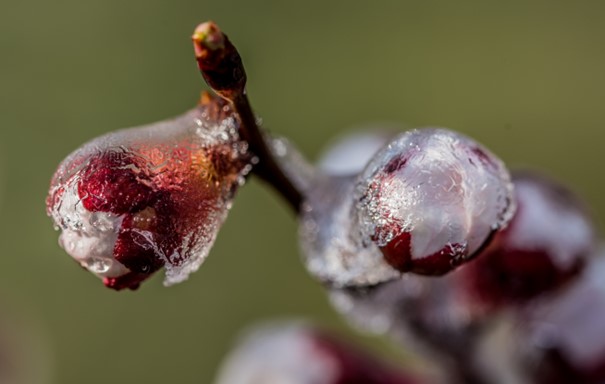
(329, 238)
(132, 201)
(431, 199)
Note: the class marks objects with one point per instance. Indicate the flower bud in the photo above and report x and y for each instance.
(431, 199)
(130, 202)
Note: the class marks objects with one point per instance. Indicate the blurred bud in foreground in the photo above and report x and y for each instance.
(131, 202)
(298, 354)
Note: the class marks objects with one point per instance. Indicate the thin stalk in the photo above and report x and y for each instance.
(268, 169)
(223, 70)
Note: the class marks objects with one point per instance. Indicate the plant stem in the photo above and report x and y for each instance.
(268, 169)
(458, 354)
(223, 70)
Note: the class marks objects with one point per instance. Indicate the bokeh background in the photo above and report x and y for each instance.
(526, 78)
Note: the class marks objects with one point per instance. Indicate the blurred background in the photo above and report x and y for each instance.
(525, 78)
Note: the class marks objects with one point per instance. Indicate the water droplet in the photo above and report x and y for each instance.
(98, 265)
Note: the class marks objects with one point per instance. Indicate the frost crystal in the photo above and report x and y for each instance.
(130, 202)
(329, 238)
(329, 235)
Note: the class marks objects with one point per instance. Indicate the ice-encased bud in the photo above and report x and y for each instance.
(548, 241)
(431, 199)
(132, 201)
(300, 354)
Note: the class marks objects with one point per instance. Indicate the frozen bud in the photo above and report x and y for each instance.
(298, 354)
(131, 202)
(562, 336)
(431, 199)
(547, 242)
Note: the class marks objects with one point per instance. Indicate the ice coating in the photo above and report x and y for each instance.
(279, 355)
(132, 201)
(329, 235)
(431, 199)
(329, 238)
(293, 163)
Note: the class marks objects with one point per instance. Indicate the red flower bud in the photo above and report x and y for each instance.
(431, 199)
(133, 201)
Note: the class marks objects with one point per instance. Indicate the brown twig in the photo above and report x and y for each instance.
(223, 70)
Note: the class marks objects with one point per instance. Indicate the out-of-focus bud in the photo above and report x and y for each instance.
(298, 354)
(547, 242)
(562, 338)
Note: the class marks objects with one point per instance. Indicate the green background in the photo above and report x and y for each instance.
(523, 77)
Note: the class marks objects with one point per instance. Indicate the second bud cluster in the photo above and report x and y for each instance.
(428, 201)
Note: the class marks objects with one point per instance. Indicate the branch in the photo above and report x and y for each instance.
(223, 70)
